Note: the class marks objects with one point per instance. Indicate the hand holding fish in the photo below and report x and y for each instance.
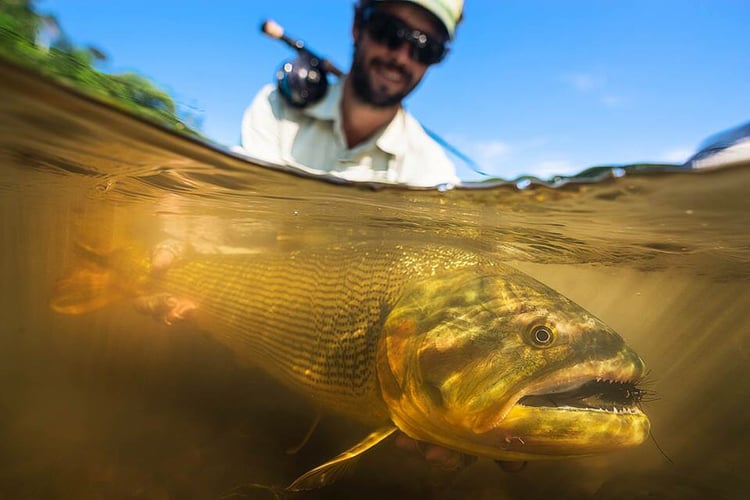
(439, 456)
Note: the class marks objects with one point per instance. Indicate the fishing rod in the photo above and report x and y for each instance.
(276, 31)
(304, 81)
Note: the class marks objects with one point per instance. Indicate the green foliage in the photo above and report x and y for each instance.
(20, 29)
(19, 17)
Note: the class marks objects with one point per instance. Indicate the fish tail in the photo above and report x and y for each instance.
(94, 282)
(83, 290)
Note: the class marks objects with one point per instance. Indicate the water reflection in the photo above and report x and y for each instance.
(112, 404)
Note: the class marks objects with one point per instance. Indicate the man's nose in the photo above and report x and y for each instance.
(403, 52)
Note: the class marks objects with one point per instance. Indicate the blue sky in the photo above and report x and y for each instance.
(531, 86)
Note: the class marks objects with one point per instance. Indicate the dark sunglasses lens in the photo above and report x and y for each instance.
(392, 32)
(384, 29)
(429, 53)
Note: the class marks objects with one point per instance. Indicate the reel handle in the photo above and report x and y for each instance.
(274, 30)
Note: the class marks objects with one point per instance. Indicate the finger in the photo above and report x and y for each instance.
(406, 443)
(164, 254)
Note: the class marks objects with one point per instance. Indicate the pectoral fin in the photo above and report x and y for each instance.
(330, 471)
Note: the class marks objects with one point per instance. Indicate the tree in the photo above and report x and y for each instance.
(38, 41)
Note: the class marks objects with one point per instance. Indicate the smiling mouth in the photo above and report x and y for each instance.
(390, 73)
(594, 395)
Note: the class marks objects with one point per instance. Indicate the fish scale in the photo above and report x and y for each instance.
(312, 320)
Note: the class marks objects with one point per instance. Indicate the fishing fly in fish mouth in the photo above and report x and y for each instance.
(448, 346)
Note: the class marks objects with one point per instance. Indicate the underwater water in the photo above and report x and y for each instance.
(113, 404)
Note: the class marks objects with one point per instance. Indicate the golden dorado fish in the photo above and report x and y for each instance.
(447, 345)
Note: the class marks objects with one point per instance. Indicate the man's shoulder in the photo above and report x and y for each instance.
(418, 137)
(420, 141)
(269, 99)
(266, 90)
(425, 161)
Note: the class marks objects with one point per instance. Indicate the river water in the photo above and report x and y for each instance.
(114, 405)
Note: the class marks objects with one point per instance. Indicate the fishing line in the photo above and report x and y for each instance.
(658, 447)
(649, 396)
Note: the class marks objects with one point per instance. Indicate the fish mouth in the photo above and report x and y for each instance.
(597, 394)
(567, 417)
(594, 392)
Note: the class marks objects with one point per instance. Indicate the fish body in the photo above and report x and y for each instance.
(312, 319)
(448, 345)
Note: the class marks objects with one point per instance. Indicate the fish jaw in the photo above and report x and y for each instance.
(533, 433)
(524, 427)
(471, 380)
(593, 408)
(601, 385)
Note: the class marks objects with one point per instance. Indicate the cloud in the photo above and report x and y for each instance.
(550, 168)
(583, 82)
(490, 152)
(486, 153)
(676, 155)
(499, 158)
(595, 85)
(612, 101)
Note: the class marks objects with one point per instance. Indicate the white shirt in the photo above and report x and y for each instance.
(312, 140)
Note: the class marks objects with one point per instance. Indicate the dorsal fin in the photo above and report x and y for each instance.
(330, 471)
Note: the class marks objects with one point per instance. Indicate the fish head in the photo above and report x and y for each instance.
(493, 363)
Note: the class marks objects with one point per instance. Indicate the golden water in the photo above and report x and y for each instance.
(114, 405)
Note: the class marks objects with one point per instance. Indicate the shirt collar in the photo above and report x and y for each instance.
(328, 107)
(392, 139)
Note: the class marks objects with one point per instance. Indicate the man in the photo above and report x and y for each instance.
(360, 131)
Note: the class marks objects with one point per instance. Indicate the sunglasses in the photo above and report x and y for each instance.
(392, 32)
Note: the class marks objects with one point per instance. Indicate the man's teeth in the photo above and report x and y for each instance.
(391, 74)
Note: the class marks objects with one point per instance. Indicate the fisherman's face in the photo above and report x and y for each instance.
(384, 76)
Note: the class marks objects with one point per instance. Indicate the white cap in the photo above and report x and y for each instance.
(448, 12)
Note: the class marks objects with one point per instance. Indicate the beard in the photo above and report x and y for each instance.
(378, 96)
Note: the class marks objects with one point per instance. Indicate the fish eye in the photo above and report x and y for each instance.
(541, 336)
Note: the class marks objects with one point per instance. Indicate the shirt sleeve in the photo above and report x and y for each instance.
(261, 126)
